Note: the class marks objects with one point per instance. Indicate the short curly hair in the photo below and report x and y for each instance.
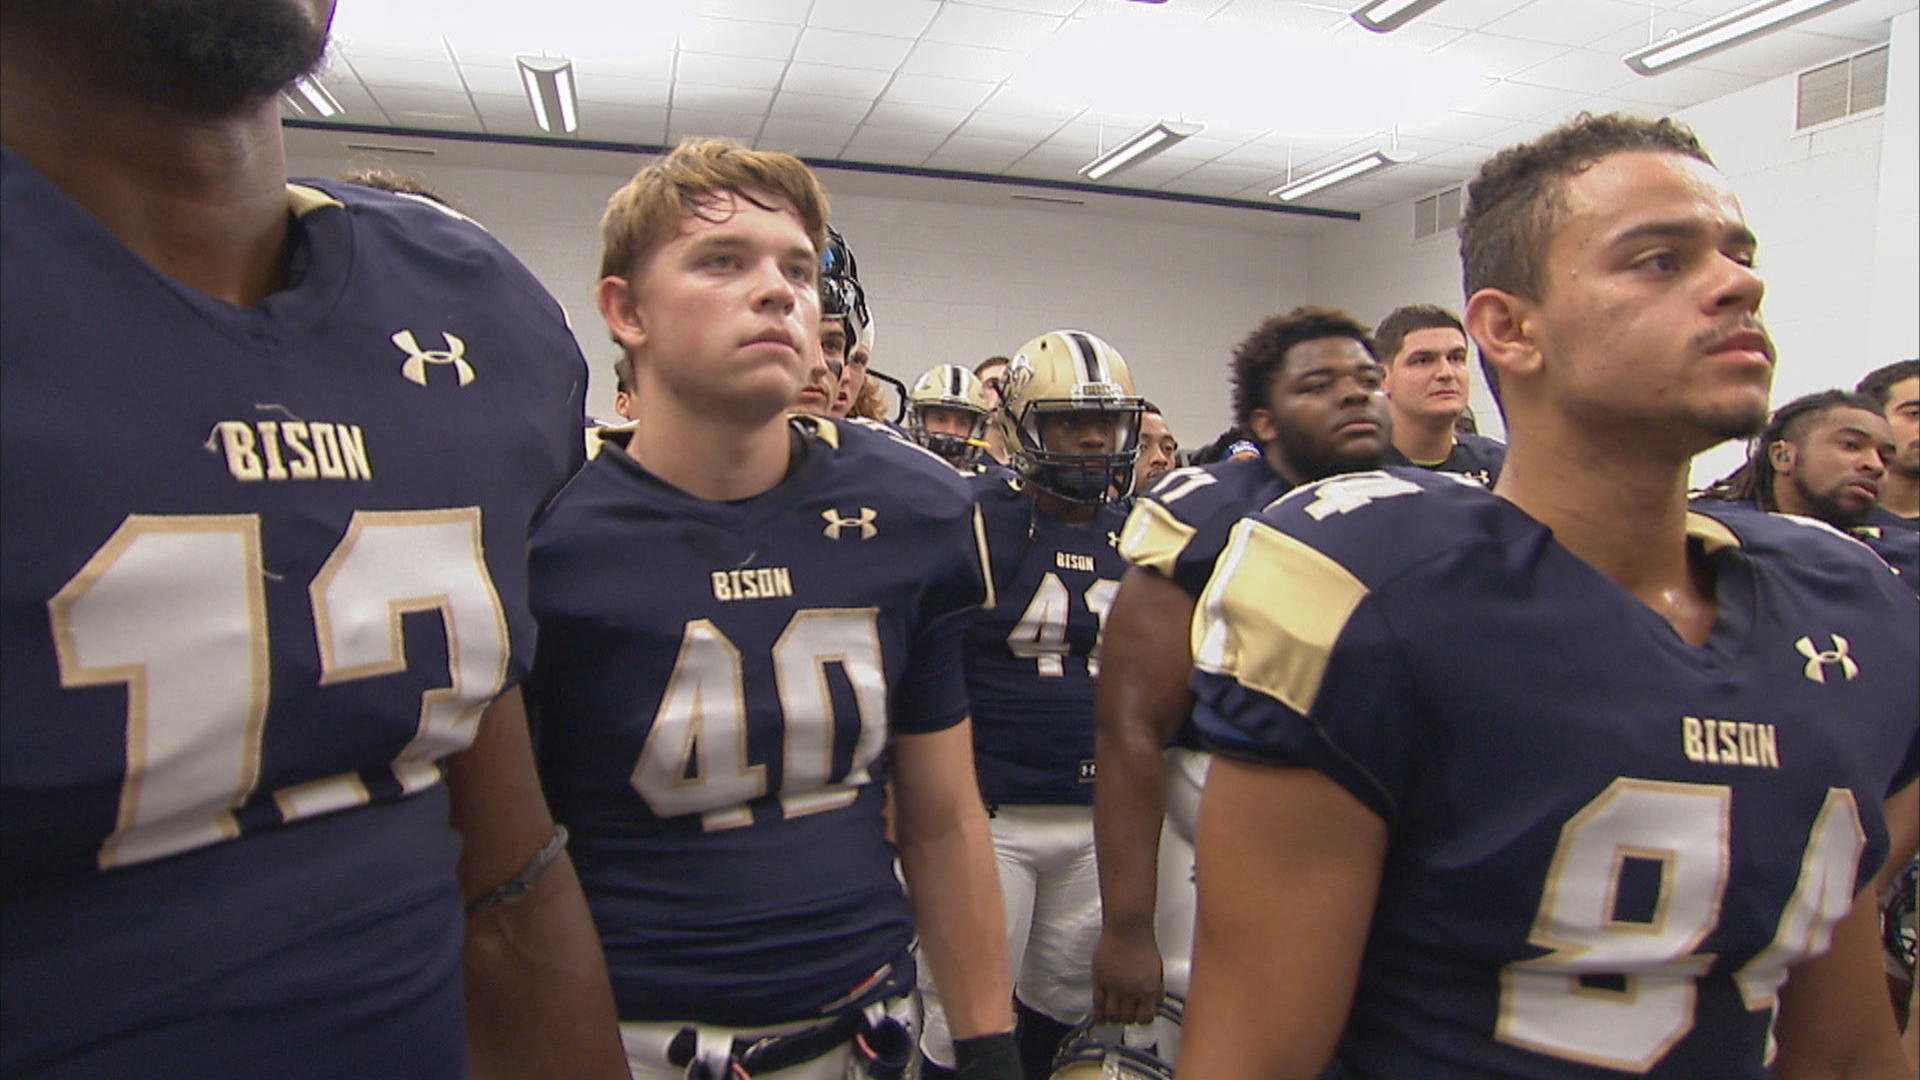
(1878, 383)
(1256, 359)
(1512, 201)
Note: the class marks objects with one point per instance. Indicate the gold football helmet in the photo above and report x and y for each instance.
(1070, 417)
(949, 386)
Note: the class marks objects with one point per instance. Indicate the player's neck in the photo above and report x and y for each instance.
(1900, 494)
(1062, 510)
(709, 458)
(202, 200)
(1425, 439)
(1622, 514)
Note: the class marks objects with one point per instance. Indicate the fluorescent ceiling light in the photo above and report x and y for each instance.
(307, 97)
(1138, 147)
(1381, 16)
(1353, 168)
(549, 84)
(1733, 28)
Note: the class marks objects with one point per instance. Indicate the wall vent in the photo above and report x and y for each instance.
(1842, 88)
(1436, 213)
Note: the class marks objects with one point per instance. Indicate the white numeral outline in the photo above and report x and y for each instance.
(173, 607)
(695, 758)
(1686, 828)
(1041, 633)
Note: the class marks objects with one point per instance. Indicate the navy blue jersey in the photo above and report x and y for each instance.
(1884, 518)
(1606, 845)
(1179, 527)
(264, 568)
(1033, 656)
(717, 684)
(1472, 455)
(1897, 547)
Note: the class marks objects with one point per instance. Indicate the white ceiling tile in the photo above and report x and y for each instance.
(1459, 127)
(1013, 100)
(408, 74)
(1201, 147)
(870, 144)
(959, 62)
(1034, 7)
(1519, 101)
(368, 47)
(1002, 126)
(998, 153)
(1681, 87)
(1058, 162)
(1646, 30)
(816, 108)
(942, 93)
(1584, 70)
(398, 99)
(491, 79)
(792, 12)
(805, 138)
(1150, 173)
(1499, 57)
(1196, 183)
(843, 49)
(682, 123)
(599, 87)
(1474, 14)
(1258, 154)
(739, 37)
(923, 118)
(1416, 35)
(862, 83)
(729, 70)
(735, 99)
(1569, 24)
(508, 113)
(622, 123)
(991, 28)
(894, 18)
(1287, 15)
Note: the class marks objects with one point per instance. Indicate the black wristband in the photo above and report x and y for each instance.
(987, 1057)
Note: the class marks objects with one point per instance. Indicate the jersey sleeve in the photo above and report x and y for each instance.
(933, 693)
(1296, 664)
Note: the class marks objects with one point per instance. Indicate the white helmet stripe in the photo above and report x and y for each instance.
(1093, 366)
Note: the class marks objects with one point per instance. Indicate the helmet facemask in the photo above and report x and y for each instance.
(1073, 474)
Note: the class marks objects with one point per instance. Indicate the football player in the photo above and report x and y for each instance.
(1158, 448)
(1424, 349)
(844, 300)
(268, 799)
(1897, 388)
(1307, 384)
(1602, 848)
(1823, 456)
(947, 413)
(992, 372)
(718, 732)
(1069, 412)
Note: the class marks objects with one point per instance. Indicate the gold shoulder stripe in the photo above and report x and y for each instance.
(1271, 614)
(819, 427)
(986, 557)
(1712, 533)
(303, 200)
(1153, 537)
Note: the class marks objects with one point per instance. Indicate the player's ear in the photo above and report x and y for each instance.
(1499, 322)
(614, 297)
(1264, 427)
(1781, 453)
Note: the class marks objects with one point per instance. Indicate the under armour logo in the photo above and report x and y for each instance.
(1817, 661)
(415, 369)
(836, 523)
(1113, 539)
